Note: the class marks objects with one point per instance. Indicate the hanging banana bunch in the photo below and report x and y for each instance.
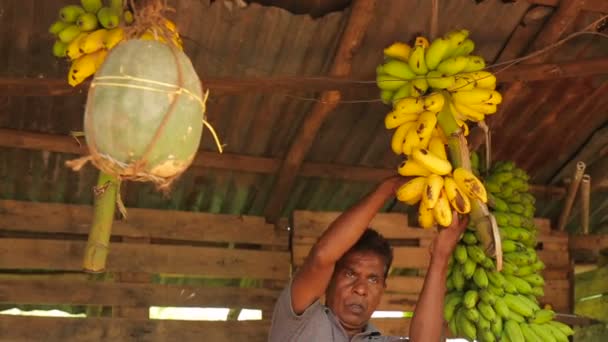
(85, 32)
(419, 82)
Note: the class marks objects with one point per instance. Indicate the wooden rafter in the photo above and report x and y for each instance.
(552, 31)
(65, 144)
(587, 5)
(361, 15)
(224, 86)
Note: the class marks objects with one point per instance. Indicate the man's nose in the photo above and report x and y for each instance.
(360, 287)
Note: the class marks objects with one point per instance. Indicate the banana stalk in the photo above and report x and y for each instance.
(96, 251)
(459, 156)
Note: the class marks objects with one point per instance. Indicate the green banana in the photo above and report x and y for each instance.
(480, 278)
(386, 82)
(470, 299)
(57, 27)
(496, 279)
(398, 69)
(543, 316)
(485, 335)
(513, 330)
(508, 268)
(466, 327)
(524, 271)
(469, 238)
(465, 48)
(70, 13)
(509, 246)
(59, 49)
(501, 308)
(108, 17)
(538, 291)
(91, 6)
(458, 278)
(68, 34)
(87, 22)
(514, 316)
(529, 334)
(486, 311)
(482, 323)
(452, 301)
(468, 269)
(439, 80)
(435, 52)
(475, 63)
(497, 327)
(416, 60)
(401, 93)
(487, 296)
(387, 96)
(521, 285)
(517, 305)
(475, 253)
(542, 332)
(452, 65)
(497, 291)
(472, 314)
(557, 333)
(566, 329)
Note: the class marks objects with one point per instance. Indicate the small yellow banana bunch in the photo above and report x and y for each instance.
(438, 194)
(84, 34)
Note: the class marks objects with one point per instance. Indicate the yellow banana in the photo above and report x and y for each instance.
(484, 108)
(412, 140)
(475, 63)
(399, 137)
(435, 52)
(437, 132)
(453, 65)
(85, 66)
(113, 37)
(410, 167)
(398, 69)
(416, 60)
(456, 38)
(421, 41)
(462, 82)
(470, 184)
(394, 119)
(457, 197)
(484, 79)
(94, 41)
(437, 147)
(426, 124)
(432, 162)
(434, 102)
(432, 188)
(467, 112)
(398, 50)
(418, 87)
(495, 98)
(411, 191)
(409, 105)
(425, 216)
(424, 142)
(473, 96)
(73, 51)
(438, 80)
(442, 212)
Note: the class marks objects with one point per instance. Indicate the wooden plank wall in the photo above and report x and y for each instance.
(411, 257)
(45, 237)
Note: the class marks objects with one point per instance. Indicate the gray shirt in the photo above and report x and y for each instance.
(316, 324)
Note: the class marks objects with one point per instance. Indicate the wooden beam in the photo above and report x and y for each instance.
(588, 248)
(27, 291)
(283, 84)
(205, 159)
(74, 219)
(126, 257)
(552, 31)
(588, 5)
(16, 328)
(361, 15)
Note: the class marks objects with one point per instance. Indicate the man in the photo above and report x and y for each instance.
(349, 264)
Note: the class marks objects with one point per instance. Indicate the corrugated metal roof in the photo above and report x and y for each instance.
(541, 134)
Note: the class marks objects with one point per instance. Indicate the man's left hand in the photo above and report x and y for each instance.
(447, 238)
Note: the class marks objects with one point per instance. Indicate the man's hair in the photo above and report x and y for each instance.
(372, 241)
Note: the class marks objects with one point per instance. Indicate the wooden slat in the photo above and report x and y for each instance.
(557, 294)
(211, 262)
(403, 284)
(554, 259)
(15, 328)
(28, 291)
(543, 224)
(390, 225)
(142, 223)
(226, 161)
(404, 257)
(591, 283)
(555, 71)
(362, 12)
(588, 248)
(392, 326)
(398, 302)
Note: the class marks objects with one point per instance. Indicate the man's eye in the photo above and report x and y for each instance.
(373, 280)
(350, 274)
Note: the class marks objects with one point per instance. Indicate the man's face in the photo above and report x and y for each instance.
(356, 288)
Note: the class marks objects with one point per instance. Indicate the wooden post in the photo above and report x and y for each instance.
(132, 277)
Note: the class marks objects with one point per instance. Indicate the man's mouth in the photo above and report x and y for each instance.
(356, 308)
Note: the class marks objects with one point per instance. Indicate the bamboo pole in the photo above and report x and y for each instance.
(96, 251)
(572, 190)
(585, 199)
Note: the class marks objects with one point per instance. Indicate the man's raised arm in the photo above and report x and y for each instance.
(427, 323)
(311, 281)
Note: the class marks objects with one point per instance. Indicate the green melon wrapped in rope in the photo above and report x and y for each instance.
(144, 114)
